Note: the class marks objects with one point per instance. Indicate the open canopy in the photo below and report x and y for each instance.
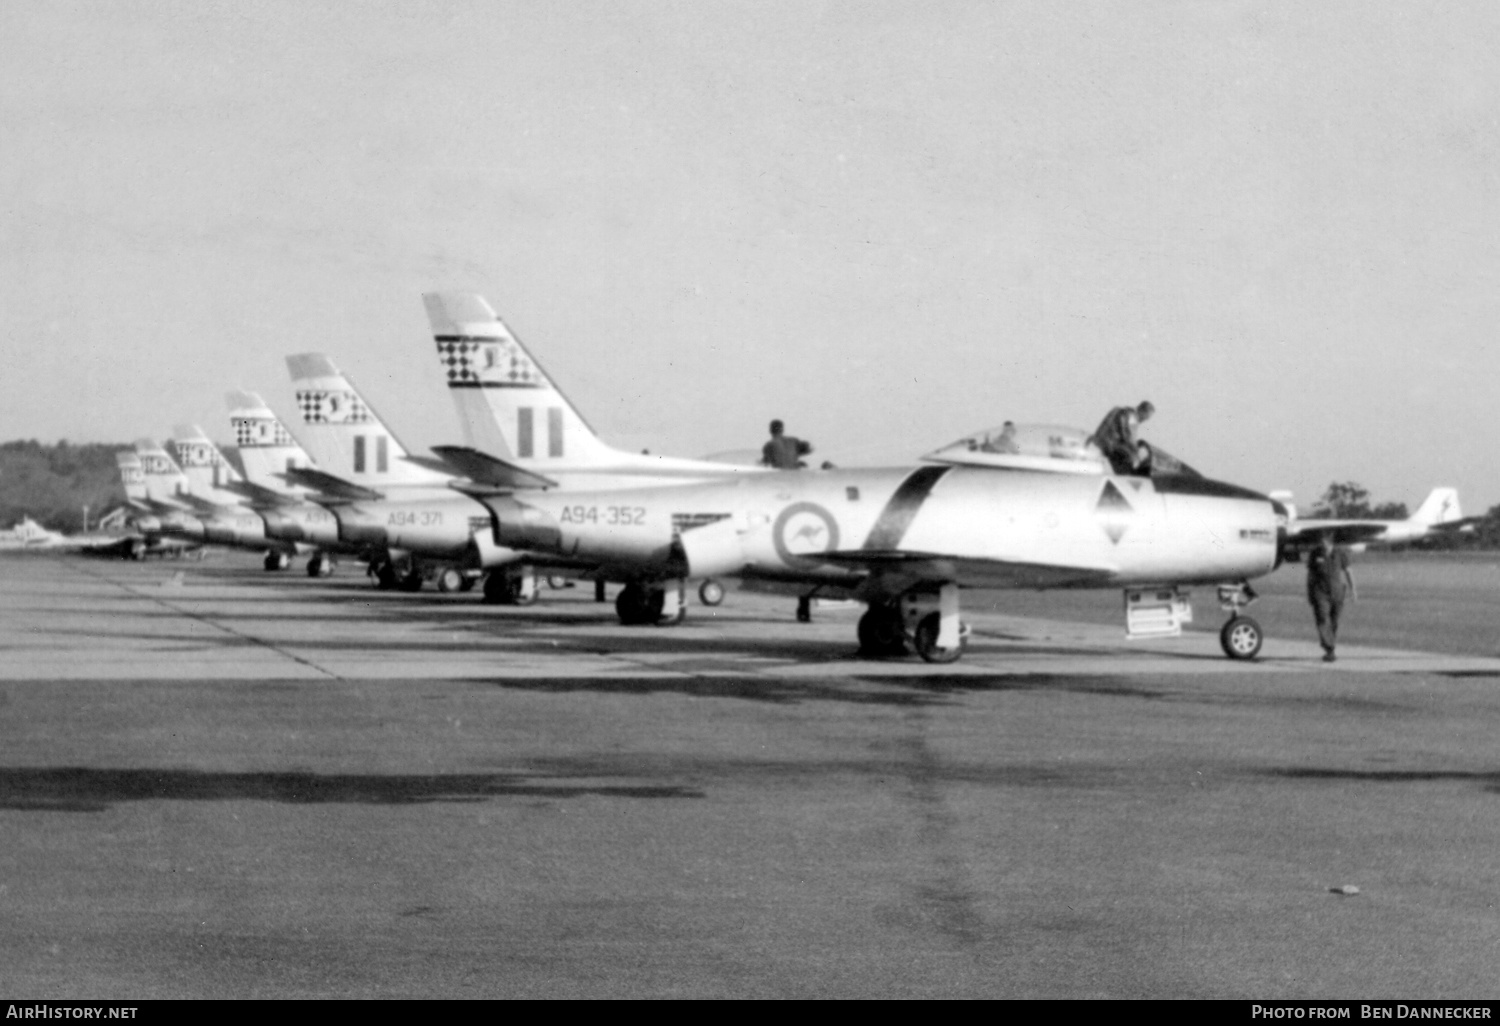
(1053, 448)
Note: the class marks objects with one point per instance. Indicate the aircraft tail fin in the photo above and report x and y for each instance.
(267, 449)
(209, 475)
(508, 405)
(1440, 507)
(164, 481)
(344, 435)
(131, 476)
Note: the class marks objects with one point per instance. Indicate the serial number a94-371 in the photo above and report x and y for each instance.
(610, 516)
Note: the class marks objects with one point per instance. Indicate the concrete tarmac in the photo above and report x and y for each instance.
(218, 782)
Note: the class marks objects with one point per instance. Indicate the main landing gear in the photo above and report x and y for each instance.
(319, 565)
(928, 619)
(389, 577)
(277, 560)
(510, 586)
(1241, 637)
(657, 602)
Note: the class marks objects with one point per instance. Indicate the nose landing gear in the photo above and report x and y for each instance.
(1241, 636)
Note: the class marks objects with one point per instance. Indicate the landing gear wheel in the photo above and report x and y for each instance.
(880, 633)
(804, 610)
(710, 592)
(557, 582)
(1241, 638)
(315, 566)
(637, 605)
(449, 580)
(411, 580)
(502, 589)
(925, 640)
(277, 561)
(468, 583)
(385, 576)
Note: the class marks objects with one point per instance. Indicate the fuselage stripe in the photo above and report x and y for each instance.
(902, 509)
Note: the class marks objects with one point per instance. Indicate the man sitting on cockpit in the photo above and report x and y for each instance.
(1116, 439)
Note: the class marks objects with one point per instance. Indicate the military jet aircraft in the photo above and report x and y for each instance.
(514, 416)
(196, 504)
(267, 452)
(151, 537)
(1041, 510)
(1439, 514)
(30, 536)
(409, 517)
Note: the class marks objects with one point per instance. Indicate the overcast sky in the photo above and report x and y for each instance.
(889, 224)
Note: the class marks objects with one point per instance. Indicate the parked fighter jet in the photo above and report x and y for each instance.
(267, 452)
(197, 505)
(409, 518)
(1439, 513)
(150, 537)
(1047, 513)
(514, 416)
(30, 536)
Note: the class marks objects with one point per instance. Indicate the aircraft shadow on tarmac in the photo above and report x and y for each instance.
(81, 789)
(888, 690)
(1490, 781)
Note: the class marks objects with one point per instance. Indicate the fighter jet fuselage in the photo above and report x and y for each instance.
(876, 531)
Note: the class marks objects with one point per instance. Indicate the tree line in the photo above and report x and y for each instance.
(52, 483)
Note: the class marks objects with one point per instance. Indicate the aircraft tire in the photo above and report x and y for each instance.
(1241, 638)
(880, 632)
(710, 592)
(449, 579)
(411, 580)
(271, 562)
(634, 606)
(315, 566)
(385, 577)
(468, 583)
(925, 641)
(557, 582)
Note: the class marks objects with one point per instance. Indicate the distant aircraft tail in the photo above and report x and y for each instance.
(344, 435)
(209, 475)
(163, 480)
(507, 404)
(132, 476)
(1440, 507)
(267, 449)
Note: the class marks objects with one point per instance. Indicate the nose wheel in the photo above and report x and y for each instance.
(1241, 638)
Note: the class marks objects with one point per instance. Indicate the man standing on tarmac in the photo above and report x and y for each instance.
(1328, 583)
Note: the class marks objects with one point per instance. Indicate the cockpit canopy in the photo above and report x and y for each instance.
(1052, 448)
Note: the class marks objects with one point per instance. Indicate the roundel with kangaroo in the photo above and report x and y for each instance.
(803, 530)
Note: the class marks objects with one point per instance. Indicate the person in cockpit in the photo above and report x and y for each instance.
(1116, 438)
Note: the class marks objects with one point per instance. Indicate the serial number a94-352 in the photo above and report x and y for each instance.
(610, 516)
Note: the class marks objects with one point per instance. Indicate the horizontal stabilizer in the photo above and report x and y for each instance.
(261, 496)
(329, 485)
(201, 504)
(484, 469)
